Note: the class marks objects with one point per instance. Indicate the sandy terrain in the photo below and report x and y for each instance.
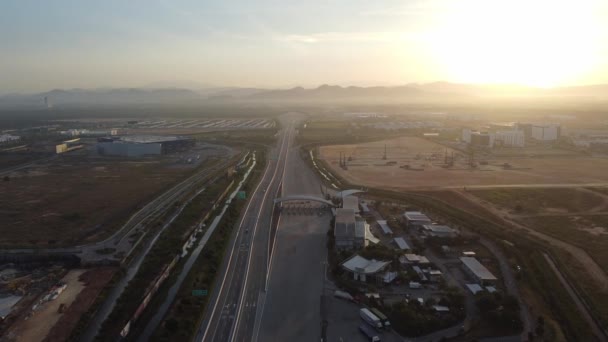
(426, 158)
(37, 327)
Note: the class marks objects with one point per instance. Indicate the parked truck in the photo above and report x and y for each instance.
(371, 334)
(370, 318)
(343, 295)
(382, 317)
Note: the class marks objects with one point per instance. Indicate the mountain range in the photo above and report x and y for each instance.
(427, 91)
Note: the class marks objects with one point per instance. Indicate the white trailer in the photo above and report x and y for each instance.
(370, 318)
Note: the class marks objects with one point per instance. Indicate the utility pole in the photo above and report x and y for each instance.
(384, 157)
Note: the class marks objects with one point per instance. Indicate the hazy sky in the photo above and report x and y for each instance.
(116, 43)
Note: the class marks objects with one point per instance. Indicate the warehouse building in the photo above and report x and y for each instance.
(142, 145)
(440, 231)
(402, 244)
(414, 219)
(478, 271)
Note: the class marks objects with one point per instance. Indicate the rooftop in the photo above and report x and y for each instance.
(384, 226)
(401, 243)
(345, 216)
(474, 288)
(436, 228)
(149, 139)
(360, 264)
(416, 216)
(350, 202)
(477, 268)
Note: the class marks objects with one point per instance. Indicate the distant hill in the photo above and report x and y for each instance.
(118, 96)
(413, 91)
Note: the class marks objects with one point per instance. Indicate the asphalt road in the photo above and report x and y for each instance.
(231, 311)
(292, 311)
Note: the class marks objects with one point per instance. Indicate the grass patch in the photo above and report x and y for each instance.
(163, 251)
(540, 200)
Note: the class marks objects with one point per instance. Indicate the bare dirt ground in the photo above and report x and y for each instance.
(37, 327)
(95, 280)
(595, 271)
(425, 160)
(76, 198)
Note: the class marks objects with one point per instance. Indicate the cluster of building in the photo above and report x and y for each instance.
(90, 133)
(5, 138)
(142, 145)
(351, 231)
(514, 135)
(348, 237)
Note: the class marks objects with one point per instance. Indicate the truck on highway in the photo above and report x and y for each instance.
(382, 317)
(371, 334)
(370, 318)
(343, 295)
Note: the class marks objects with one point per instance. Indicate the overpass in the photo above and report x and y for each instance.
(304, 198)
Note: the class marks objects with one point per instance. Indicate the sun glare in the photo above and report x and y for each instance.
(539, 43)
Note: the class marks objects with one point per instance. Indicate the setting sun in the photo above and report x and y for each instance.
(538, 43)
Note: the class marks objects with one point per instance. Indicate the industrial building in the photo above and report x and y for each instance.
(476, 138)
(344, 229)
(363, 235)
(364, 269)
(549, 132)
(402, 244)
(514, 138)
(415, 219)
(478, 271)
(350, 231)
(440, 231)
(385, 228)
(351, 202)
(68, 145)
(141, 145)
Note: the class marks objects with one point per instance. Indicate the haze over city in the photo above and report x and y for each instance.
(195, 44)
(275, 170)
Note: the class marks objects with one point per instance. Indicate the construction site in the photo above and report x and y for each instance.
(415, 162)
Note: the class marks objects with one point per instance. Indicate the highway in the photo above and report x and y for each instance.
(239, 290)
(108, 305)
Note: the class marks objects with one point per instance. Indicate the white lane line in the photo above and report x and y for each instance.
(286, 138)
(236, 238)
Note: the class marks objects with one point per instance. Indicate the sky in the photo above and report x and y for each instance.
(282, 43)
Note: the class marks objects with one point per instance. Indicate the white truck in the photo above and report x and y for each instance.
(371, 334)
(370, 318)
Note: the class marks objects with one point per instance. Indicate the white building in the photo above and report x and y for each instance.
(362, 268)
(7, 137)
(549, 132)
(478, 271)
(513, 138)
